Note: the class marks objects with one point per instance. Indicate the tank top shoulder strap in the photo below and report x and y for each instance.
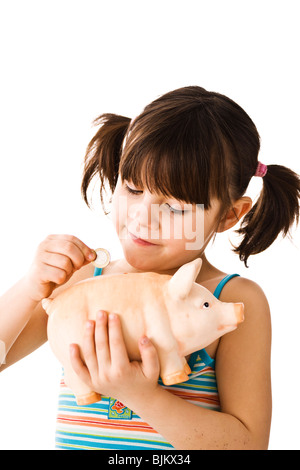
(98, 272)
(222, 283)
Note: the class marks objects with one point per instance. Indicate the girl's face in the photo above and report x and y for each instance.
(158, 233)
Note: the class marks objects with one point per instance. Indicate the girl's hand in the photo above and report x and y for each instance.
(56, 260)
(107, 368)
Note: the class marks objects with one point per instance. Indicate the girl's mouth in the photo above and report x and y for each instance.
(140, 241)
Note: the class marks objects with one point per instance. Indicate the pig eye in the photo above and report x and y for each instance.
(206, 305)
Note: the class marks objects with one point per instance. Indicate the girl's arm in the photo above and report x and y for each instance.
(30, 333)
(243, 377)
(16, 308)
(23, 321)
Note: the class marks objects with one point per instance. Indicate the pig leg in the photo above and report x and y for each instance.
(84, 395)
(174, 368)
(186, 367)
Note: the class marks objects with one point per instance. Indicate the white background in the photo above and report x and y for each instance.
(65, 62)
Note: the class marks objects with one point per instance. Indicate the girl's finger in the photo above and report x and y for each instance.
(70, 246)
(76, 241)
(101, 340)
(68, 249)
(58, 261)
(51, 274)
(88, 348)
(150, 361)
(78, 365)
(118, 351)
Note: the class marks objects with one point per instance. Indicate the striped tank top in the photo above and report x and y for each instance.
(108, 424)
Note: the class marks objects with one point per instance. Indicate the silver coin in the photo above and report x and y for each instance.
(103, 258)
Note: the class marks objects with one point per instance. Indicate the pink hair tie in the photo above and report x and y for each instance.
(261, 170)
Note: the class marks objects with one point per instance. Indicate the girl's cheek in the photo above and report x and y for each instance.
(115, 216)
(193, 229)
(119, 210)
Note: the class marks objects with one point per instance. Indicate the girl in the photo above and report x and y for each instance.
(188, 148)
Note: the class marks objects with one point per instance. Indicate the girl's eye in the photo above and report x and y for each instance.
(136, 192)
(132, 191)
(175, 211)
(206, 305)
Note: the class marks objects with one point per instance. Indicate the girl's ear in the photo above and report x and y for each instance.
(235, 213)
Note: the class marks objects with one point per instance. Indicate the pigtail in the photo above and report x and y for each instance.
(275, 211)
(103, 153)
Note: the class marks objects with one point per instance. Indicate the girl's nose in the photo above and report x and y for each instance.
(145, 214)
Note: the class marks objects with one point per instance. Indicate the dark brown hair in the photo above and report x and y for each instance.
(193, 145)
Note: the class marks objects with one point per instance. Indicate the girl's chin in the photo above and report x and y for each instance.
(138, 262)
(142, 261)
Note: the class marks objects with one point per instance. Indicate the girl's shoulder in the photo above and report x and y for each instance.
(241, 288)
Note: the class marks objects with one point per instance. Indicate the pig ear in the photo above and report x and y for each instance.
(181, 283)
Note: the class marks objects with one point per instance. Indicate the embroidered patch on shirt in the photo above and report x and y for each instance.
(117, 410)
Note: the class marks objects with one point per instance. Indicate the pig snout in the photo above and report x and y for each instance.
(239, 312)
(232, 317)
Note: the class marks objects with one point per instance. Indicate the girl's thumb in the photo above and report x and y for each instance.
(150, 361)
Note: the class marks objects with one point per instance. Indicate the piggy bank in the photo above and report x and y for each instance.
(177, 314)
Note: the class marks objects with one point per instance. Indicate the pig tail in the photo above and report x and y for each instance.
(275, 211)
(103, 153)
